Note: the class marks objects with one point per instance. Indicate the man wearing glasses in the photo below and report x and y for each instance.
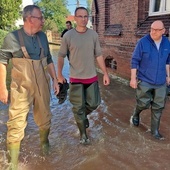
(31, 59)
(84, 47)
(150, 75)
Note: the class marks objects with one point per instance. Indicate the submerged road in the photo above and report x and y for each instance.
(115, 143)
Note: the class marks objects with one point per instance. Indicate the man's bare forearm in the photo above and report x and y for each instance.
(2, 76)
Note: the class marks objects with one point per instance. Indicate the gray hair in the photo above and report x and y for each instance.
(28, 10)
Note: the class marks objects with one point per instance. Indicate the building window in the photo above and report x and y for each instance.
(114, 29)
(159, 7)
(111, 62)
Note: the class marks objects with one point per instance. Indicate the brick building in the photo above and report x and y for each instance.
(120, 23)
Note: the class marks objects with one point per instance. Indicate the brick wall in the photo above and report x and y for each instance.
(120, 47)
(120, 23)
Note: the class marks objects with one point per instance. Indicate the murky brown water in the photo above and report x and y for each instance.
(115, 144)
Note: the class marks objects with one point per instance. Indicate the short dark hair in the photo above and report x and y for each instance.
(81, 7)
(68, 22)
(28, 10)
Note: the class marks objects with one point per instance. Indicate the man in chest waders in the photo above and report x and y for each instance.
(31, 59)
(84, 47)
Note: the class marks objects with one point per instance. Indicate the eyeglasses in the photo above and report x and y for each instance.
(156, 30)
(39, 18)
(82, 17)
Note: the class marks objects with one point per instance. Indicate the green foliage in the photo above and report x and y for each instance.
(55, 12)
(89, 5)
(9, 13)
(50, 25)
(2, 36)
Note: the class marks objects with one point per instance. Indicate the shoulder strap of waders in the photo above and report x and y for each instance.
(21, 40)
(41, 48)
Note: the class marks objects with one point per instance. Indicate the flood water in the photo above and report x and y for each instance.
(115, 143)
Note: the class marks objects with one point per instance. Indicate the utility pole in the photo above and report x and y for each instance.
(78, 3)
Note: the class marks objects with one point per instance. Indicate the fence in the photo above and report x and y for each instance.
(53, 37)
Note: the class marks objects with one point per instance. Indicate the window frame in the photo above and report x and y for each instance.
(161, 12)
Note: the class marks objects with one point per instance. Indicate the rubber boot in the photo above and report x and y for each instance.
(44, 142)
(13, 149)
(136, 117)
(155, 122)
(86, 119)
(82, 128)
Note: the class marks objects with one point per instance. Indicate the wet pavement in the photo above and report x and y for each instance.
(115, 143)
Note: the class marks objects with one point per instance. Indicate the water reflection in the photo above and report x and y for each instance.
(115, 144)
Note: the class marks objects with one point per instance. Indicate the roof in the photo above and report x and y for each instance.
(70, 18)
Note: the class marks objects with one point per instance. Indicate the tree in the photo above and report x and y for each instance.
(55, 13)
(89, 5)
(9, 13)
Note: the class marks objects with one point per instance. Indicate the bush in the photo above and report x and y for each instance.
(2, 35)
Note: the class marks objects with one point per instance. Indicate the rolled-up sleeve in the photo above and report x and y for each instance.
(7, 49)
(63, 48)
(49, 56)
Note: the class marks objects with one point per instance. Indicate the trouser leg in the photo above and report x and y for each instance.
(77, 99)
(18, 111)
(155, 122)
(42, 116)
(158, 105)
(143, 100)
(93, 99)
(92, 96)
(43, 122)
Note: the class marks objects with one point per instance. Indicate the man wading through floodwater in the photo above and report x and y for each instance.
(83, 45)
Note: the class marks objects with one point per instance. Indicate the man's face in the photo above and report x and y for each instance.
(37, 20)
(68, 26)
(157, 30)
(81, 18)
